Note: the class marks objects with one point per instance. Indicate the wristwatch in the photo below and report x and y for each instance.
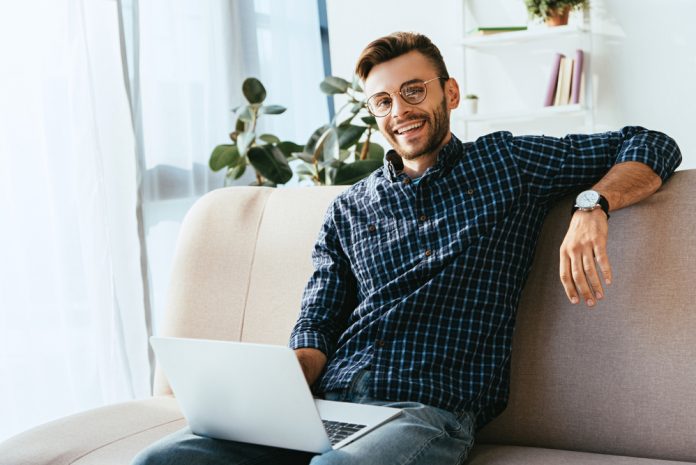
(589, 200)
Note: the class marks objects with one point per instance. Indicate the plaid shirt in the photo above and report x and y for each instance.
(420, 282)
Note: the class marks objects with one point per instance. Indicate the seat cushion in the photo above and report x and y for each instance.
(515, 455)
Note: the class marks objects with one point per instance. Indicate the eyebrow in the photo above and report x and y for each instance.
(410, 81)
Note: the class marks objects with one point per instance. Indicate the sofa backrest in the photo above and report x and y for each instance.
(617, 379)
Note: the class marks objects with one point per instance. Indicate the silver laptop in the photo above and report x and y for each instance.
(258, 394)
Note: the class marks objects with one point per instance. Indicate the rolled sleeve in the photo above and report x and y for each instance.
(655, 149)
(555, 166)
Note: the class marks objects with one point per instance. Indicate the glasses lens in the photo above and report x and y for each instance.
(380, 104)
(413, 92)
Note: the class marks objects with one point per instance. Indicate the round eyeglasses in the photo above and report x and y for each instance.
(413, 92)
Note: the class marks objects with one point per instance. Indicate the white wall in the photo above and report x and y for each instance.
(643, 61)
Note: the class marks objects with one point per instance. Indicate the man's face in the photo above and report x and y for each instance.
(420, 129)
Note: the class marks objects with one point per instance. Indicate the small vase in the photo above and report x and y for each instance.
(470, 106)
(558, 17)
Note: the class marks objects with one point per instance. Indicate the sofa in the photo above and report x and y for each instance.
(611, 385)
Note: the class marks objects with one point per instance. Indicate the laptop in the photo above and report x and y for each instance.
(258, 394)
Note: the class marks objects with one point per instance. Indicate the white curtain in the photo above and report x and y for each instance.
(191, 58)
(72, 329)
(73, 316)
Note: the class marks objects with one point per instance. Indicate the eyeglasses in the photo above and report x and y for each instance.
(413, 92)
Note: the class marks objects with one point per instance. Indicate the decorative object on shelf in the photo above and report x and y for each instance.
(565, 82)
(553, 12)
(471, 104)
(487, 31)
(270, 158)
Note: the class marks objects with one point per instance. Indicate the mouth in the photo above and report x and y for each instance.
(408, 129)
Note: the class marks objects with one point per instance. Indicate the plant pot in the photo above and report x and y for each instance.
(470, 106)
(558, 17)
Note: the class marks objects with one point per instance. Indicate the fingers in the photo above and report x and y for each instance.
(580, 277)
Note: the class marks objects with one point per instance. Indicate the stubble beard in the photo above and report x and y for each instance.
(438, 130)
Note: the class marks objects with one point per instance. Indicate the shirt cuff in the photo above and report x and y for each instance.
(309, 340)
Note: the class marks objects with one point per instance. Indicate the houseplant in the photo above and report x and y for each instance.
(265, 152)
(553, 12)
(337, 153)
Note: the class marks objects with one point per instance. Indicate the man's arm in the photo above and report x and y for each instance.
(312, 362)
(585, 244)
(328, 299)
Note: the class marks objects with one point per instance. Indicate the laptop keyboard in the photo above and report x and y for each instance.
(338, 431)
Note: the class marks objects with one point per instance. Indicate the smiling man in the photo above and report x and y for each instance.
(419, 268)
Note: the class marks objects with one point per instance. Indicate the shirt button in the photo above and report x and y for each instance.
(372, 228)
(423, 218)
(407, 181)
(380, 343)
(470, 191)
(428, 253)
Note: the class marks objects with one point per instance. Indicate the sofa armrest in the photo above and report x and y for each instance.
(110, 435)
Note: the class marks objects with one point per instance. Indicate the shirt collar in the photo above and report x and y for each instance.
(394, 165)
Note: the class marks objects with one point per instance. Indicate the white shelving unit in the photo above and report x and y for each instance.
(540, 43)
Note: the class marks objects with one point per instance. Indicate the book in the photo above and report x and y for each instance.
(565, 75)
(553, 80)
(577, 76)
(486, 31)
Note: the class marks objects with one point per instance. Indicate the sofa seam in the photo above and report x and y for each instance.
(122, 438)
(251, 265)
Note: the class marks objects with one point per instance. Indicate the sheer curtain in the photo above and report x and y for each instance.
(72, 330)
(188, 60)
(73, 157)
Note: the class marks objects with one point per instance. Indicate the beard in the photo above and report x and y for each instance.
(437, 126)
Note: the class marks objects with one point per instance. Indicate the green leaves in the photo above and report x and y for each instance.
(349, 135)
(354, 172)
(272, 109)
(270, 162)
(333, 154)
(332, 85)
(253, 90)
(244, 140)
(224, 155)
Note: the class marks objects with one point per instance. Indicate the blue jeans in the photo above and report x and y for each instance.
(421, 435)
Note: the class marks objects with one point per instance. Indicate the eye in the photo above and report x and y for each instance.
(413, 92)
(381, 102)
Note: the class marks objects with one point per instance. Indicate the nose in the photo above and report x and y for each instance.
(399, 107)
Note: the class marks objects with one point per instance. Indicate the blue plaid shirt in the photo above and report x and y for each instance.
(420, 282)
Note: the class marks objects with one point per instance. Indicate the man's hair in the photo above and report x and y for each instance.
(397, 44)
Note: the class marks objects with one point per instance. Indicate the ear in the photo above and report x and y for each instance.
(452, 93)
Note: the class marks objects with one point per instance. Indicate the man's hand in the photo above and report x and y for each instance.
(312, 362)
(585, 247)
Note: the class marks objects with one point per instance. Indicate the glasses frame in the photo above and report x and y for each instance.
(391, 105)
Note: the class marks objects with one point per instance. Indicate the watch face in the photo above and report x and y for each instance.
(587, 199)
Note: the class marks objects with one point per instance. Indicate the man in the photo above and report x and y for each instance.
(419, 268)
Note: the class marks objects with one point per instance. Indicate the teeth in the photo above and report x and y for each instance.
(408, 128)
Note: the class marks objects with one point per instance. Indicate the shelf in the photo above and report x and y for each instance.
(518, 37)
(539, 113)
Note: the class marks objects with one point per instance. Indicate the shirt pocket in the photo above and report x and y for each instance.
(375, 251)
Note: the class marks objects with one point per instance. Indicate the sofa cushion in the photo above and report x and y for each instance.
(110, 435)
(619, 378)
(511, 455)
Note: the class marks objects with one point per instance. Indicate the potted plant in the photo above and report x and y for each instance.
(471, 104)
(265, 153)
(342, 152)
(553, 12)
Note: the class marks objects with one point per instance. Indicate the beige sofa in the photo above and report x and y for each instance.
(599, 386)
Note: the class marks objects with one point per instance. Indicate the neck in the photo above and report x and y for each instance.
(415, 167)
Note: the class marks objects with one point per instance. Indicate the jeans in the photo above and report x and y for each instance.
(421, 435)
